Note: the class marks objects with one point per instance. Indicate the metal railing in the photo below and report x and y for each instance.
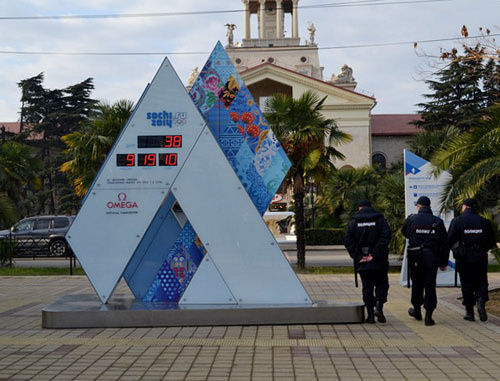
(36, 248)
(32, 247)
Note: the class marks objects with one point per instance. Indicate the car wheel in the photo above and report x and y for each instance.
(58, 247)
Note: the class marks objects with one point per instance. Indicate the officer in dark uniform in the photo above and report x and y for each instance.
(367, 240)
(427, 250)
(470, 237)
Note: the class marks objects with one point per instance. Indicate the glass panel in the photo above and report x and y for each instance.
(42, 224)
(378, 160)
(60, 223)
(24, 226)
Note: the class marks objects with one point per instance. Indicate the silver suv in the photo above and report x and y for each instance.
(40, 234)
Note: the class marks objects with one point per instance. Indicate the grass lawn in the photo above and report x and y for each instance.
(40, 271)
(349, 270)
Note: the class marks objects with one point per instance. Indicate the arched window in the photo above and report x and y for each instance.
(379, 161)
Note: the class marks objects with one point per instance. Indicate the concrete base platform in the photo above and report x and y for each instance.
(87, 311)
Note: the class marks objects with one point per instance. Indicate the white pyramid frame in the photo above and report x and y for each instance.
(248, 259)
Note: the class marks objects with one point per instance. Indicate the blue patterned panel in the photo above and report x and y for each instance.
(258, 191)
(178, 269)
(165, 287)
(249, 145)
(217, 118)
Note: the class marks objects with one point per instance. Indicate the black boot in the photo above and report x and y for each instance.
(469, 313)
(379, 312)
(428, 318)
(370, 316)
(481, 309)
(415, 312)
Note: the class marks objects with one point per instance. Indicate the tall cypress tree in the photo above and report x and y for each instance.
(51, 114)
(491, 82)
(457, 96)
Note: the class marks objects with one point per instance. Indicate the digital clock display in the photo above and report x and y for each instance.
(167, 160)
(146, 160)
(125, 160)
(159, 141)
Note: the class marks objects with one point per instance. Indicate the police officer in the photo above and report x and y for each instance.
(367, 239)
(427, 250)
(470, 237)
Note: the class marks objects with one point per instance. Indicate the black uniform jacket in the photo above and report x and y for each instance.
(475, 234)
(368, 228)
(425, 230)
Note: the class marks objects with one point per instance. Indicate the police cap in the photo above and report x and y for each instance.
(470, 202)
(424, 201)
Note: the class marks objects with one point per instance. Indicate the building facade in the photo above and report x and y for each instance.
(270, 62)
(391, 134)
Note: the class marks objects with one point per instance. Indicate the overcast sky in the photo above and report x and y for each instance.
(392, 73)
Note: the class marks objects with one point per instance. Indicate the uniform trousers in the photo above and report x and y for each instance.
(474, 282)
(375, 286)
(423, 286)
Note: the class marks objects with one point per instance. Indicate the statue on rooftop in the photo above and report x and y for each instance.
(345, 75)
(229, 34)
(312, 32)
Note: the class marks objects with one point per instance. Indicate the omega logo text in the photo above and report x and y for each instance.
(122, 203)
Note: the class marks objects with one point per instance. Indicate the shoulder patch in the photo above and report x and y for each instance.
(366, 224)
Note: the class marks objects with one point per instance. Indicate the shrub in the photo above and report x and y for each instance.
(325, 236)
(6, 251)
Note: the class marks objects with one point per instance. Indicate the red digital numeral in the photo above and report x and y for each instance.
(172, 159)
(168, 159)
(125, 160)
(150, 160)
(130, 160)
(177, 141)
(168, 141)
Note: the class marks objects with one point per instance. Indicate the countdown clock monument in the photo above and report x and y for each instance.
(176, 211)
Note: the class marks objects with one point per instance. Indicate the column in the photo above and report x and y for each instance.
(295, 19)
(246, 32)
(262, 11)
(279, 19)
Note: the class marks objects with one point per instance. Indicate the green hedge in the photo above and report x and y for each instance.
(325, 236)
(6, 251)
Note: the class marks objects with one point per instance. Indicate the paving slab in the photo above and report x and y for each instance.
(400, 349)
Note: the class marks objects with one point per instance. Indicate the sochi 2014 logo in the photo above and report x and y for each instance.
(180, 118)
(167, 118)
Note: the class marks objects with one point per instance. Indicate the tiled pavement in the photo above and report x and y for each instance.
(402, 349)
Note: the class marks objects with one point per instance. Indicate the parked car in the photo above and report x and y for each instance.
(40, 235)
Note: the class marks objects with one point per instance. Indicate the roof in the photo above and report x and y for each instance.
(306, 76)
(15, 127)
(12, 127)
(394, 124)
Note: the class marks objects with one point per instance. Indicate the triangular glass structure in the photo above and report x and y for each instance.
(247, 141)
(133, 183)
(175, 193)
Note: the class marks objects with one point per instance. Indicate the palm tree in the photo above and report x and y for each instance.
(342, 191)
(8, 216)
(344, 188)
(472, 158)
(87, 149)
(390, 200)
(19, 175)
(8, 211)
(426, 142)
(309, 140)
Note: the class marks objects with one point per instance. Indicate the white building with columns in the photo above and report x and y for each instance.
(272, 61)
